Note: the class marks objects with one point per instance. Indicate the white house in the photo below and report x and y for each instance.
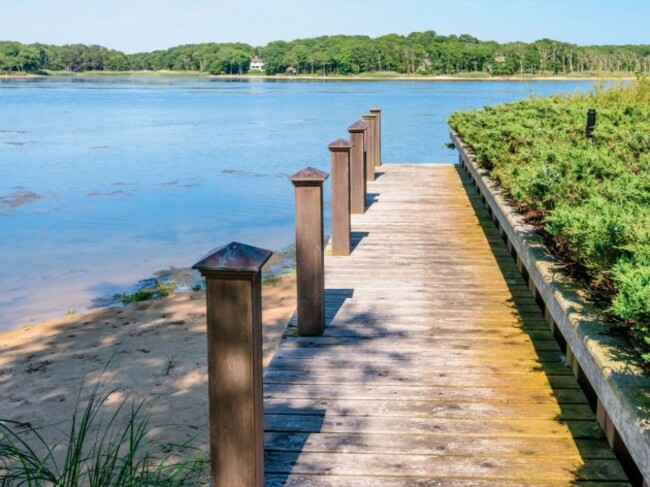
(257, 64)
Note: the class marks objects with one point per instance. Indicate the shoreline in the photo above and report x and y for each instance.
(164, 282)
(196, 74)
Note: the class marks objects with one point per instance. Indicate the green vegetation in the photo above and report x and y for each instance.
(34, 58)
(159, 290)
(163, 290)
(591, 198)
(101, 449)
(207, 58)
(424, 53)
(139, 295)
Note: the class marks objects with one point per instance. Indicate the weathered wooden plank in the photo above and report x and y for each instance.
(502, 468)
(462, 317)
(453, 312)
(326, 422)
(393, 392)
(428, 409)
(373, 293)
(347, 326)
(438, 311)
(439, 444)
(450, 365)
(320, 480)
(360, 324)
(494, 301)
(414, 376)
(479, 355)
(419, 343)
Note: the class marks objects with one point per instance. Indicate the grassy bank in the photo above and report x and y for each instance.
(590, 198)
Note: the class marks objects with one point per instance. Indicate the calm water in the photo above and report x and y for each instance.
(105, 180)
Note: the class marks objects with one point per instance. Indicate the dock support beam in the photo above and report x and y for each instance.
(376, 111)
(310, 260)
(234, 318)
(340, 157)
(358, 189)
(371, 146)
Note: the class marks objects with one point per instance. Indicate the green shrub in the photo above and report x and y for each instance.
(163, 290)
(159, 290)
(592, 198)
(140, 295)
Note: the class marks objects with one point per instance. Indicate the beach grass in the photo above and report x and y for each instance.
(102, 448)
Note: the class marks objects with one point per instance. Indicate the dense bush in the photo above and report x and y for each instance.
(591, 198)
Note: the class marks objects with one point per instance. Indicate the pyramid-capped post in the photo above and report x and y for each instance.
(234, 257)
(308, 176)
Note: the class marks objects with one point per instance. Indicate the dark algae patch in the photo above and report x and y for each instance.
(589, 198)
(17, 199)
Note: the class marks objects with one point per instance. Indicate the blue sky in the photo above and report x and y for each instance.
(144, 25)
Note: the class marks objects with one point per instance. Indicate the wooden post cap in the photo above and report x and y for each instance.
(358, 126)
(340, 145)
(375, 109)
(369, 116)
(234, 257)
(309, 176)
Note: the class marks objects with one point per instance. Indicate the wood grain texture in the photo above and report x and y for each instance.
(371, 147)
(310, 272)
(357, 171)
(340, 214)
(235, 371)
(436, 366)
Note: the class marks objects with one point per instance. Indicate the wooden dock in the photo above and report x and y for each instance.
(436, 367)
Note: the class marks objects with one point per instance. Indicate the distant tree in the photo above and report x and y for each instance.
(342, 54)
(274, 55)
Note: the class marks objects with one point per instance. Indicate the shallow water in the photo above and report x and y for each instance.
(106, 180)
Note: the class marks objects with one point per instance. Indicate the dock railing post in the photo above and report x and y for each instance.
(358, 188)
(371, 146)
(310, 260)
(234, 318)
(340, 157)
(377, 112)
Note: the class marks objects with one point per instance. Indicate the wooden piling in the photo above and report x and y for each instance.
(371, 147)
(358, 187)
(234, 318)
(377, 112)
(340, 156)
(310, 264)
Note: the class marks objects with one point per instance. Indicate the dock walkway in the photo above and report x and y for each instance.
(436, 367)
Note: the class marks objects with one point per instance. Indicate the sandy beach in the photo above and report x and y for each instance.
(153, 350)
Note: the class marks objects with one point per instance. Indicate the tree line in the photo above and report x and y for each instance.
(418, 52)
(34, 58)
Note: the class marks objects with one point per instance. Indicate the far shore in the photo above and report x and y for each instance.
(370, 77)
